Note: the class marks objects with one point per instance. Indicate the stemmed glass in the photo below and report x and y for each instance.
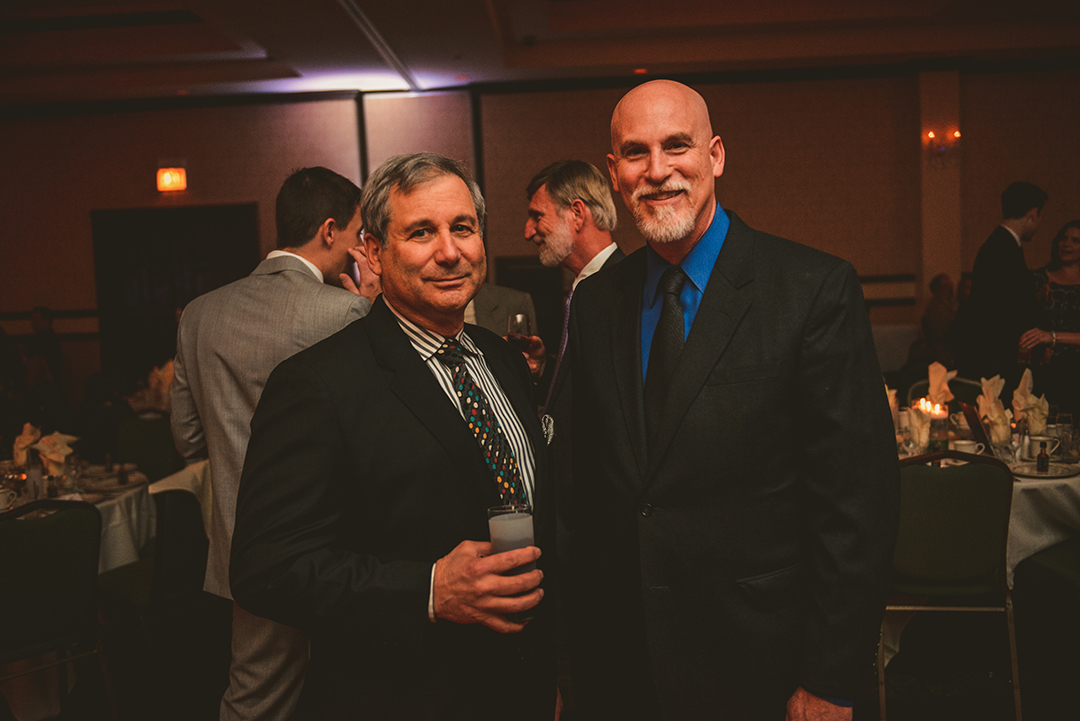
(518, 331)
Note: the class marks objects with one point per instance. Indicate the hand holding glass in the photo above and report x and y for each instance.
(519, 331)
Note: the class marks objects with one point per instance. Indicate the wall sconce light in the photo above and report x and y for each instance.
(941, 145)
(171, 178)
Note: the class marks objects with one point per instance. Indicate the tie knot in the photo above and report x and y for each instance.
(672, 280)
(450, 352)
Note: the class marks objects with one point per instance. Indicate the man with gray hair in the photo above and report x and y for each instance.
(571, 216)
(362, 512)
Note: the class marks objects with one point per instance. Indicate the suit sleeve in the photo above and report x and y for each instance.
(187, 428)
(286, 563)
(852, 487)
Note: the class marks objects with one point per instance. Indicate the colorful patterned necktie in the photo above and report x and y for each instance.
(485, 426)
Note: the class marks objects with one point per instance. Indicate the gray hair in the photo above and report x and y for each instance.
(570, 180)
(403, 173)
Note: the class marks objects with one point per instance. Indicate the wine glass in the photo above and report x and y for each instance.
(518, 331)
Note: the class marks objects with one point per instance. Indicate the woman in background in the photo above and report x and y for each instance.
(1057, 288)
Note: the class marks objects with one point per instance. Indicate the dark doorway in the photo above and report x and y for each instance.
(150, 262)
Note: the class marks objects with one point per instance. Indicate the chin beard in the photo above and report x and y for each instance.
(664, 226)
(557, 246)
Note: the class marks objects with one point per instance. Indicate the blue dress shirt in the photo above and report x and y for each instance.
(698, 266)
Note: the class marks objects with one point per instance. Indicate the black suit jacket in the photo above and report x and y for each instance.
(747, 553)
(1001, 308)
(360, 474)
(559, 408)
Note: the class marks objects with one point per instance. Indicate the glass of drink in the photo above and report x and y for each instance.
(518, 331)
(511, 527)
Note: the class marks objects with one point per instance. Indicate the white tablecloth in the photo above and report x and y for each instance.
(128, 522)
(1044, 512)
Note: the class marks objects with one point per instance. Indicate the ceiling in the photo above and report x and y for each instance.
(59, 51)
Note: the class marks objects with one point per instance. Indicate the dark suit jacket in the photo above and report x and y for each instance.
(746, 554)
(1002, 307)
(559, 409)
(360, 474)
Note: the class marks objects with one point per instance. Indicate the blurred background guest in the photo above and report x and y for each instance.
(12, 388)
(933, 343)
(1055, 340)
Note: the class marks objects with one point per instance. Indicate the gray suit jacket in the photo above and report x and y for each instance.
(494, 304)
(229, 341)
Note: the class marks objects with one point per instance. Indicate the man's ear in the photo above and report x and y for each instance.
(326, 233)
(373, 251)
(613, 171)
(579, 213)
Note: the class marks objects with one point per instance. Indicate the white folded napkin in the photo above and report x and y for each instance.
(1026, 405)
(29, 436)
(992, 411)
(54, 448)
(939, 378)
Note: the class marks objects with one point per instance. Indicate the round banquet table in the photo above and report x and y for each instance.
(1044, 511)
(128, 522)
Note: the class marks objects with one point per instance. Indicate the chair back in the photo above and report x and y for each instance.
(181, 548)
(148, 443)
(954, 524)
(48, 577)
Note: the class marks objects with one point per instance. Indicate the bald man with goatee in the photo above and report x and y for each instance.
(735, 473)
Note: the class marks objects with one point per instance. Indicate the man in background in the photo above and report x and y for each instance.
(736, 481)
(1002, 304)
(228, 342)
(571, 216)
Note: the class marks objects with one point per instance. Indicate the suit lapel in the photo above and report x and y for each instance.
(726, 300)
(625, 352)
(418, 390)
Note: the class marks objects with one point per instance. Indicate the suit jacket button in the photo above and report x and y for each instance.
(646, 510)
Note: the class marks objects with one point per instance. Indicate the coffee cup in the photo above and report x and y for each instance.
(973, 447)
(1033, 446)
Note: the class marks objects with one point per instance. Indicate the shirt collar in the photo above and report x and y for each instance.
(311, 266)
(426, 342)
(595, 264)
(1014, 235)
(699, 262)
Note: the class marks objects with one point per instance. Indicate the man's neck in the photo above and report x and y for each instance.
(586, 246)
(447, 328)
(1016, 225)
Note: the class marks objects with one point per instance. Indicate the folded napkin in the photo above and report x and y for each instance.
(920, 425)
(894, 407)
(29, 436)
(992, 411)
(1026, 405)
(54, 448)
(938, 392)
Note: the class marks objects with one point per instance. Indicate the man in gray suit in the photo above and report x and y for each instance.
(228, 342)
(494, 304)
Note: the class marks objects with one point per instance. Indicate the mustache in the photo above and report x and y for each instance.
(672, 186)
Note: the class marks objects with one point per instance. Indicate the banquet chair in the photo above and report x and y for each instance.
(950, 546)
(48, 588)
(963, 390)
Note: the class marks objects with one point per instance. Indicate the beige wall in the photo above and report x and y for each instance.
(57, 170)
(833, 164)
(1019, 126)
(396, 123)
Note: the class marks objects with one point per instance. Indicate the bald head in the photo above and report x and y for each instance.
(660, 98)
(664, 161)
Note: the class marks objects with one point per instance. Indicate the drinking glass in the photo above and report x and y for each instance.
(518, 331)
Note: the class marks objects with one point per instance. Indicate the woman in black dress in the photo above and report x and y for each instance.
(1056, 338)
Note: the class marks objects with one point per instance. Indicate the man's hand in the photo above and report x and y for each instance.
(804, 706)
(370, 285)
(536, 356)
(469, 586)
